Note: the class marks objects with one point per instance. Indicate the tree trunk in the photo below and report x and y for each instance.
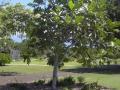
(55, 73)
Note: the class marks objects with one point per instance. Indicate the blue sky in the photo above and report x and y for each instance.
(25, 2)
(16, 38)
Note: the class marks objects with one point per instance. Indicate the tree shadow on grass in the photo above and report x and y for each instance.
(105, 69)
(24, 86)
(33, 86)
(8, 73)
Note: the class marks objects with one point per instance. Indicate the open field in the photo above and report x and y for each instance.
(109, 80)
(37, 67)
(25, 69)
(42, 62)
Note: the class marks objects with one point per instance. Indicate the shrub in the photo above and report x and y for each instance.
(4, 58)
(81, 79)
(16, 86)
(67, 81)
(40, 82)
(50, 82)
(64, 82)
(91, 86)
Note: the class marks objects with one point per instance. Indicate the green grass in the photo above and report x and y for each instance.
(44, 62)
(109, 80)
(72, 63)
(21, 67)
(25, 69)
(34, 61)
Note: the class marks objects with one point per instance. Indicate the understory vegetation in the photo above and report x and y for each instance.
(5, 59)
(68, 83)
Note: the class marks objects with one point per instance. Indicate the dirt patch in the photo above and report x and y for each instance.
(28, 78)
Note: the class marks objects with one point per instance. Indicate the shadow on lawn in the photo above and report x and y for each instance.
(8, 73)
(106, 69)
(33, 86)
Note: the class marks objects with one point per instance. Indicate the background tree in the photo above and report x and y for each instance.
(4, 40)
(27, 52)
(14, 19)
(113, 13)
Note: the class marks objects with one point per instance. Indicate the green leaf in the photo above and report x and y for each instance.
(78, 4)
(71, 4)
(56, 18)
(117, 42)
(68, 19)
(91, 6)
(78, 19)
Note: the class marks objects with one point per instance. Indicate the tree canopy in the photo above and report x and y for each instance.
(76, 25)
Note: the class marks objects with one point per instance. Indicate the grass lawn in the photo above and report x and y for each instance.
(34, 61)
(21, 67)
(25, 69)
(110, 80)
(44, 62)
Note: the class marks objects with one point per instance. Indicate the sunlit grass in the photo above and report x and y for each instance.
(110, 80)
(36, 66)
(23, 69)
(33, 61)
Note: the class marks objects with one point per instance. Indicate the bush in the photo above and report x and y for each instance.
(50, 83)
(4, 58)
(16, 86)
(66, 81)
(40, 82)
(91, 86)
(81, 79)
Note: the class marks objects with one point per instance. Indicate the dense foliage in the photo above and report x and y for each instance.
(4, 59)
(73, 28)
